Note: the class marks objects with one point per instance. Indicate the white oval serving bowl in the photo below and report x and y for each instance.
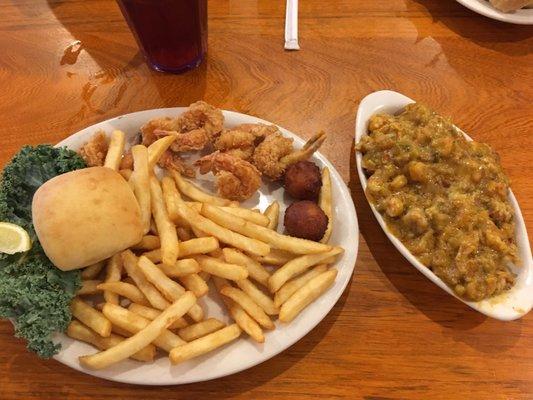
(243, 353)
(523, 16)
(507, 306)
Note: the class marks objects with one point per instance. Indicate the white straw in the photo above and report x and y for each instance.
(291, 25)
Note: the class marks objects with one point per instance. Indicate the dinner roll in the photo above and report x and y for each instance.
(86, 216)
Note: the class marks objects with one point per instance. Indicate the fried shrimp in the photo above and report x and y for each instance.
(236, 179)
(197, 139)
(201, 115)
(203, 121)
(95, 150)
(170, 160)
(268, 154)
(242, 140)
(260, 131)
(127, 161)
(240, 144)
(148, 130)
(275, 153)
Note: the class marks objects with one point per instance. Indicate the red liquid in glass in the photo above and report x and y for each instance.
(171, 33)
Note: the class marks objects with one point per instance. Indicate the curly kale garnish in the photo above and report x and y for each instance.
(34, 294)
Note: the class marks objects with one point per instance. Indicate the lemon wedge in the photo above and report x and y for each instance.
(13, 238)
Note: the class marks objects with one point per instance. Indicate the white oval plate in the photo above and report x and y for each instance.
(483, 7)
(510, 305)
(244, 353)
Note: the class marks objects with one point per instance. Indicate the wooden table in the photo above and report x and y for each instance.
(393, 334)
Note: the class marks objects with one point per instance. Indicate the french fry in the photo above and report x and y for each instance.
(272, 213)
(276, 257)
(261, 299)
(113, 274)
(306, 295)
(172, 196)
(237, 240)
(297, 266)
(151, 313)
(132, 185)
(195, 284)
(255, 270)
(202, 328)
(153, 228)
(184, 234)
(170, 289)
(166, 229)
(254, 231)
(128, 279)
(92, 271)
(88, 287)
(324, 202)
(198, 233)
(195, 205)
(216, 267)
(288, 289)
(152, 294)
(250, 306)
(133, 323)
(217, 254)
(246, 322)
(154, 255)
(92, 318)
(127, 290)
(117, 329)
(78, 331)
(249, 215)
(142, 338)
(188, 248)
(148, 242)
(195, 193)
(141, 184)
(126, 173)
(115, 150)
(221, 283)
(182, 267)
(156, 149)
(204, 344)
(198, 246)
(205, 276)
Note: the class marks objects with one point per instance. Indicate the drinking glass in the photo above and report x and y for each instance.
(172, 34)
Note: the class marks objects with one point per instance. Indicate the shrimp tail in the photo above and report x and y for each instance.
(307, 150)
(206, 163)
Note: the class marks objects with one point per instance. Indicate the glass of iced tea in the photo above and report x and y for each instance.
(172, 34)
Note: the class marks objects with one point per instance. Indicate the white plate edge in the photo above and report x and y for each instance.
(519, 17)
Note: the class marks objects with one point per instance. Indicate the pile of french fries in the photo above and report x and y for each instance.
(145, 299)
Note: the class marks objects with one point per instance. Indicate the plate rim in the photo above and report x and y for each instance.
(518, 17)
(344, 192)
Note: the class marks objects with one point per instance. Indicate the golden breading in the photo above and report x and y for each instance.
(95, 150)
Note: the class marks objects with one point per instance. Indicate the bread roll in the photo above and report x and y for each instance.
(85, 216)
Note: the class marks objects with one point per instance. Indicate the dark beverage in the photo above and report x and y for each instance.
(171, 33)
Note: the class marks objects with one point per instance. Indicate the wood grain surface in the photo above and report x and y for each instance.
(393, 334)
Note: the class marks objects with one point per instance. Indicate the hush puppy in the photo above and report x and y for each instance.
(303, 180)
(306, 220)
